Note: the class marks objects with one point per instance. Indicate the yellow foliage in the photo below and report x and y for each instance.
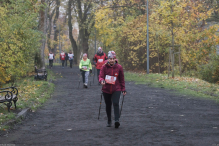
(18, 39)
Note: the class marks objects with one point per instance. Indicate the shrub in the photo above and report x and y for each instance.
(210, 72)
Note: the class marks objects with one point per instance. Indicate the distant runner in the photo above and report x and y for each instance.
(51, 57)
(112, 79)
(70, 57)
(62, 58)
(99, 60)
(85, 66)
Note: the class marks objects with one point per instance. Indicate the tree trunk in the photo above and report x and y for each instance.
(57, 27)
(43, 19)
(50, 31)
(73, 42)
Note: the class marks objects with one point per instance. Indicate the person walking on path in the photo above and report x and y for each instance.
(98, 60)
(66, 58)
(51, 57)
(113, 83)
(71, 57)
(85, 66)
(62, 58)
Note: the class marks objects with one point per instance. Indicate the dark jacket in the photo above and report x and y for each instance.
(66, 56)
(116, 71)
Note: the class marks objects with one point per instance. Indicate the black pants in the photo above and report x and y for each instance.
(50, 63)
(63, 61)
(83, 76)
(66, 62)
(71, 61)
(98, 73)
(109, 99)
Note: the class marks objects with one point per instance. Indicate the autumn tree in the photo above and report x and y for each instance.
(20, 38)
(83, 11)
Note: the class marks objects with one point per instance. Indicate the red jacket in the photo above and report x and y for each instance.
(99, 60)
(62, 56)
(116, 71)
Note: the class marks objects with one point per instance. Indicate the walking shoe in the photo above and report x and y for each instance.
(85, 85)
(117, 124)
(109, 124)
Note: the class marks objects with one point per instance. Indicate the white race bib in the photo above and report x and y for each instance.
(110, 79)
(84, 67)
(100, 60)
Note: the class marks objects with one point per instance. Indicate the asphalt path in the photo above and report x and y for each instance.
(150, 117)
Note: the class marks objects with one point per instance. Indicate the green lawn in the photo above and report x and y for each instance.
(32, 94)
(182, 85)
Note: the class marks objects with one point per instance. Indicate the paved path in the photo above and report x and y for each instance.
(150, 117)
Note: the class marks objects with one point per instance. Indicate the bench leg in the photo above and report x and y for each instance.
(9, 106)
(15, 100)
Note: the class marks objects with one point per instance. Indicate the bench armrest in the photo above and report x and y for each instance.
(8, 95)
(14, 90)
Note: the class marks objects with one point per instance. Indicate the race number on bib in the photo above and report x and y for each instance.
(100, 60)
(110, 79)
(84, 67)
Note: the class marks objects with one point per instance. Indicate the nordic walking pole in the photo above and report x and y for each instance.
(79, 81)
(121, 106)
(100, 105)
(94, 75)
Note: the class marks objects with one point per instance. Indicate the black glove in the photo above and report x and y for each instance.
(90, 71)
(123, 92)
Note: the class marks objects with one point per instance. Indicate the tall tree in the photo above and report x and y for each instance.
(57, 26)
(43, 29)
(85, 22)
(50, 16)
(73, 41)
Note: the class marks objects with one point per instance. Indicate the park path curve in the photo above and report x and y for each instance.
(150, 117)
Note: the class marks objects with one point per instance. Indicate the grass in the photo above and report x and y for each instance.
(182, 85)
(32, 94)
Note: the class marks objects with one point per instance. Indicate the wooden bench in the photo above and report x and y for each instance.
(7, 95)
(41, 74)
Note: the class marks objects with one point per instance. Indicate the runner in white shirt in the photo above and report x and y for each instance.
(51, 57)
(70, 57)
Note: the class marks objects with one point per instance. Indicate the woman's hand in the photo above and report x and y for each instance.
(103, 82)
(124, 93)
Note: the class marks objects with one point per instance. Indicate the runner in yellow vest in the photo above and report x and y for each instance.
(85, 66)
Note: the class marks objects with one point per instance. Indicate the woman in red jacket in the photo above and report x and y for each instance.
(99, 60)
(112, 79)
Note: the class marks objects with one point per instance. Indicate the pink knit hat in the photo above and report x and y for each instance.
(111, 54)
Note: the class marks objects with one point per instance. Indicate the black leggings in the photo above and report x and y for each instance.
(98, 73)
(71, 63)
(50, 63)
(109, 99)
(63, 61)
